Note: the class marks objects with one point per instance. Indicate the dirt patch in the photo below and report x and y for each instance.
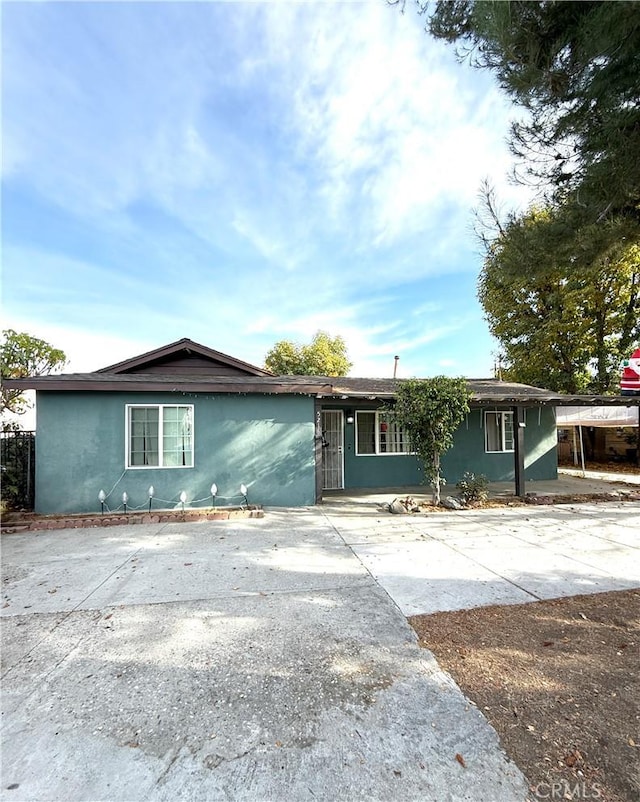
(560, 682)
(536, 499)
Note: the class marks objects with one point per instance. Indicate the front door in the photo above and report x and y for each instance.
(332, 449)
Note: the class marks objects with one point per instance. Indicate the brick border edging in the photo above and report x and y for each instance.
(111, 519)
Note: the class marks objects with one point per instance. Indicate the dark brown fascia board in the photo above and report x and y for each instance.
(371, 395)
(486, 399)
(328, 391)
(185, 344)
(511, 400)
(138, 385)
(559, 401)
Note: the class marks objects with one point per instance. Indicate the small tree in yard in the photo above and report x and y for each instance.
(23, 355)
(430, 411)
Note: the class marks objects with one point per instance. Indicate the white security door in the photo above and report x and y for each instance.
(332, 449)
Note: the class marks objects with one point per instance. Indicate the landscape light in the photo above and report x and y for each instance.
(102, 497)
(214, 493)
(125, 498)
(244, 490)
(151, 491)
(183, 498)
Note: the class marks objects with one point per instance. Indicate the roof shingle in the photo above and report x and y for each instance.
(485, 391)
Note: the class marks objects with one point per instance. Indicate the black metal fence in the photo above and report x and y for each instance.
(18, 461)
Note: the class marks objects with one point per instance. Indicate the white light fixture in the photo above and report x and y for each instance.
(214, 493)
(125, 498)
(183, 498)
(102, 497)
(244, 490)
(151, 492)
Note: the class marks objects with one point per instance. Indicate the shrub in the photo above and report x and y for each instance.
(473, 487)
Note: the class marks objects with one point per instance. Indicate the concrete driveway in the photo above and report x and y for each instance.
(509, 555)
(261, 659)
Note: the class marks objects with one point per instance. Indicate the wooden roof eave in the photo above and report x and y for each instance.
(558, 401)
(122, 385)
(273, 385)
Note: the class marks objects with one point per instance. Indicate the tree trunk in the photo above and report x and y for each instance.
(436, 479)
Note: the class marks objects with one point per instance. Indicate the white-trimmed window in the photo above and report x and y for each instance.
(378, 433)
(498, 432)
(159, 436)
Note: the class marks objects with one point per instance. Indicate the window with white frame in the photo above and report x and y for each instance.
(159, 436)
(378, 433)
(498, 429)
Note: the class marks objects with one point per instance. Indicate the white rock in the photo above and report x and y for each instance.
(452, 503)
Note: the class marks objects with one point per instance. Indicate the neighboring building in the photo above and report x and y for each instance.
(599, 434)
(182, 417)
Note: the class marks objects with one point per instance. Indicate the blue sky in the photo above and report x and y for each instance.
(244, 173)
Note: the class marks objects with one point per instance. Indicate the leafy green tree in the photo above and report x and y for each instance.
(22, 355)
(430, 411)
(573, 68)
(558, 327)
(323, 356)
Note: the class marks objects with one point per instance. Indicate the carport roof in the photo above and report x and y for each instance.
(485, 391)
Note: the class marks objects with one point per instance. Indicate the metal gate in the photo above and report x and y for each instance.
(18, 461)
(332, 451)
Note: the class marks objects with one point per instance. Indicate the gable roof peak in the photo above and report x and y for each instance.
(183, 348)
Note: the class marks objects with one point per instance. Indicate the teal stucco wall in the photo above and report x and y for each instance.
(378, 470)
(468, 454)
(540, 443)
(265, 441)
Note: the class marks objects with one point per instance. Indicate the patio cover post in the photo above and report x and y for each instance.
(581, 449)
(518, 453)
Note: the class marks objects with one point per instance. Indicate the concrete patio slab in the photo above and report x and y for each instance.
(569, 482)
(600, 475)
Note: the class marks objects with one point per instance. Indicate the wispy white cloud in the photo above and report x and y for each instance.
(373, 131)
(240, 173)
(393, 130)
